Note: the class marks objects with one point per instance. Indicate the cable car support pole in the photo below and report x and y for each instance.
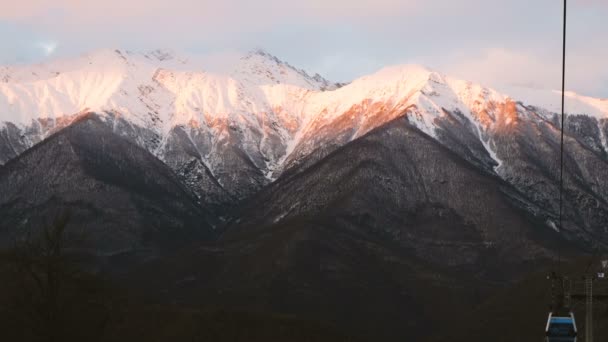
(589, 307)
(561, 160)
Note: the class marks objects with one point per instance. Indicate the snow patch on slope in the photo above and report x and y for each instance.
(486, 145)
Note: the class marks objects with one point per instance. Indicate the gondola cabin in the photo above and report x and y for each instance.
(561, 328)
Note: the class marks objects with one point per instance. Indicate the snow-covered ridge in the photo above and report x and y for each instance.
(186, 90)
(276, 109)
(121, 80)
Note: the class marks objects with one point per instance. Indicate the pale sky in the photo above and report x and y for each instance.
(507, 42)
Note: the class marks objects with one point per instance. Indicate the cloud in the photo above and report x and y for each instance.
(20, 44)
(503, 66)
(585, 73)
(513, 41)
(590, 3)
(77, 12)
(48, 47)
(185, 23)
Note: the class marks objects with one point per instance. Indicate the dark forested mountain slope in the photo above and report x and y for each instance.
(386, 238)
(119, 196)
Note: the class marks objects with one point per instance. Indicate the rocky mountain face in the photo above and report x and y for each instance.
(390, 228)
(228, 135)
(200, 123)
(119, 197)
(390, 236)
(401, 184)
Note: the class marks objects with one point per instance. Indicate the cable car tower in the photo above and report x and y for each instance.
(561, 324)
(567, 292)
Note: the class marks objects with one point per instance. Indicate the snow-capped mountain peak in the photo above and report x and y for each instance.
(261, 68)
(267, 113)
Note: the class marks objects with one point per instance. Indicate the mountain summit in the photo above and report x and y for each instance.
(228, 133)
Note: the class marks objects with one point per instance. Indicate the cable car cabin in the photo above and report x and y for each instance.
(561, 328)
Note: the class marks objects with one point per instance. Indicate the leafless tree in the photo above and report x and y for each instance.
(53, 295)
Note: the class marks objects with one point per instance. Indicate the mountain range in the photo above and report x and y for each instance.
(258, 186)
